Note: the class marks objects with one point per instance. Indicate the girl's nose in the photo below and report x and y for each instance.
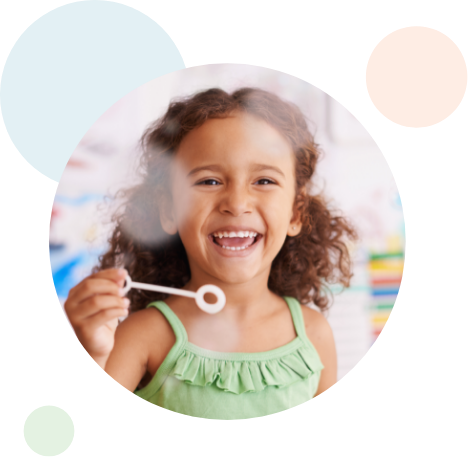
(236, 202)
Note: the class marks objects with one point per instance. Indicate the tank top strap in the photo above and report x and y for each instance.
(174, 321)
(297, 317)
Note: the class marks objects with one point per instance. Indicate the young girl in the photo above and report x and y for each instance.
(223, 200)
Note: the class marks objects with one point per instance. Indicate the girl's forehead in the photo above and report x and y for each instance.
(237, 120)
(239, 136)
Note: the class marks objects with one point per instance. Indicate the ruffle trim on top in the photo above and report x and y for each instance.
(247, 375)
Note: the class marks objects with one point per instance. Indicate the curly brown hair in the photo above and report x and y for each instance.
(306, 263)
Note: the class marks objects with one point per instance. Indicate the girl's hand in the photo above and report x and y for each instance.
(94, 307)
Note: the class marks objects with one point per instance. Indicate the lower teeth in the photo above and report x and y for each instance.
(236, 248)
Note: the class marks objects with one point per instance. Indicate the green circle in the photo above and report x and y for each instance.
(48, 430)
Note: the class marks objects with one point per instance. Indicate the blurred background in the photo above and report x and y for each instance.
(352, 173)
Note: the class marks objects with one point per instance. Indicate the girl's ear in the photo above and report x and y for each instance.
(166, 216)
(295, 224)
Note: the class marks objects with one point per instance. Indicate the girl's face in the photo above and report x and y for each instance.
(233, 188)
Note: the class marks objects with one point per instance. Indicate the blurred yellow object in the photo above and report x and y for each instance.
(380, 319)
(386, 266)
(395, 243)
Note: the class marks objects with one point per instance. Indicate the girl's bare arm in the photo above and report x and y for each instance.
(142, 342)
(113, 379)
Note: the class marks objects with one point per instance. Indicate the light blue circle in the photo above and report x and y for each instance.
(69, 67)
(49, 430)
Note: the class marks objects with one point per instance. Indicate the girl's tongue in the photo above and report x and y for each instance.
(234, 241)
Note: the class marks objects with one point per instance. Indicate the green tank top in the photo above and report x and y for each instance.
(233, 385)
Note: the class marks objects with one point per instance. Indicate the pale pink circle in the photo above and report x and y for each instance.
(416, 76)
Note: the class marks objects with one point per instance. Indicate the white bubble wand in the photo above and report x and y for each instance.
(199, 295)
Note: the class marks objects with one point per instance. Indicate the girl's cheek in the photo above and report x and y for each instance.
(187, 207)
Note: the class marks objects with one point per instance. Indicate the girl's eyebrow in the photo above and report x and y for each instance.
(256, 168)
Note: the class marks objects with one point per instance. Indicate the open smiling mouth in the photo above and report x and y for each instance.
(235, 241)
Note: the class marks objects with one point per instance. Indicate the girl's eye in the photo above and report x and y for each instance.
(268, 181)
(209, 182)
(265, 181)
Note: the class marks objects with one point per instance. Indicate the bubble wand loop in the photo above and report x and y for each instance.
(199, 295)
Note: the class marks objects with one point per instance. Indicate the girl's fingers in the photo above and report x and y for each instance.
(101, 318)
(90, 287)
(113, 275)
(96, 304)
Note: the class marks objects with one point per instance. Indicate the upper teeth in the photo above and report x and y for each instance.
(235, 234)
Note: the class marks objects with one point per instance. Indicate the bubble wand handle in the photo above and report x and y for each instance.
(199, 295)
(166, 290)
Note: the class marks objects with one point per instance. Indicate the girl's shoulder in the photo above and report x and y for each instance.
(317, 328)
(147, 322)
(149, 332)
(154, 326)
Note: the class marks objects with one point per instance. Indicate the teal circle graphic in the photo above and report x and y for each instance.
(48, 430)
(69, 67)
